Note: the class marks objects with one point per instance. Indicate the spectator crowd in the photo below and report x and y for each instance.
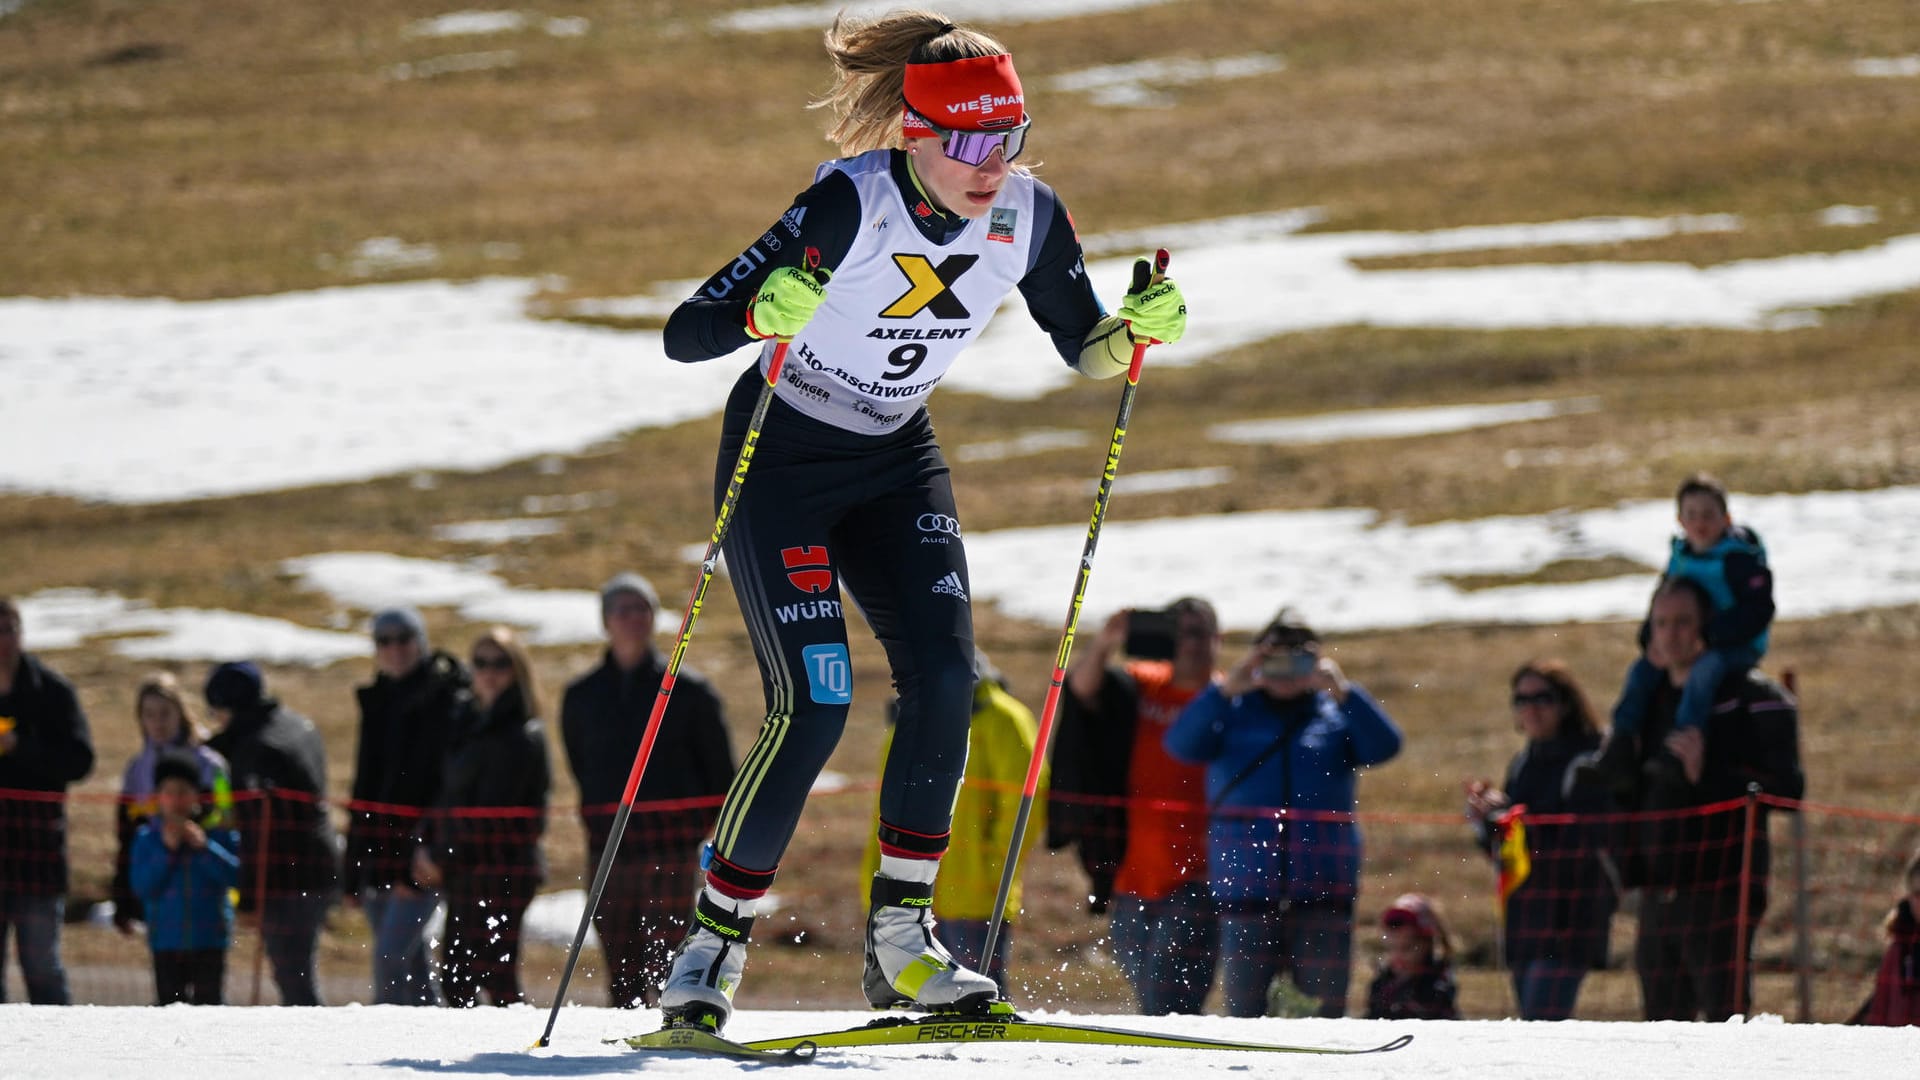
(1209, 799)
(447, 812)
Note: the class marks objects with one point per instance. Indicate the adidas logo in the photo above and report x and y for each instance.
(950, 585)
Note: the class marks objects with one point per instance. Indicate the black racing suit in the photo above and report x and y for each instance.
(823, 507)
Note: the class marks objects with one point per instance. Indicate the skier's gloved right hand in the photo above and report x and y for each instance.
(785, 302)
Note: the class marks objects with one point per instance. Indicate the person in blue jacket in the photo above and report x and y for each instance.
(1283, 736)
(184, 875)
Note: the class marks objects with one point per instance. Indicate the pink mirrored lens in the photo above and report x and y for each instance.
(974, 147)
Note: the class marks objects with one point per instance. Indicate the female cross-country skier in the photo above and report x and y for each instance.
(920, 232)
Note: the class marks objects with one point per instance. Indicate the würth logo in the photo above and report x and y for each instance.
(807, 568)
(950, 585)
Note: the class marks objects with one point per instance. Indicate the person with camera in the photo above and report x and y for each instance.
(1282, 738)
(1137, 815)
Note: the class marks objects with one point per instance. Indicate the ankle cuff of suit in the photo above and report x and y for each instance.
(906, 844)
(731, 879)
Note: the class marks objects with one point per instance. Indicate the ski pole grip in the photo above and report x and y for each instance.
(1145, 273)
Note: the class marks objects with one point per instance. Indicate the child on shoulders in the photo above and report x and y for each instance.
(1730, 563)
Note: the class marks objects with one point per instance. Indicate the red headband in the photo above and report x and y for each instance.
(979, 93)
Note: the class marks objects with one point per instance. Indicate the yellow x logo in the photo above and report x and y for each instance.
(931, 287)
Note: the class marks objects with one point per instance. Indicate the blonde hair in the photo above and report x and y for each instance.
(870, 58)
(504, 639)
(163, 685)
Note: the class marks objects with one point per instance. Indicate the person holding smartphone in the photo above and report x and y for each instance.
(1138, 816)
(1282, 737)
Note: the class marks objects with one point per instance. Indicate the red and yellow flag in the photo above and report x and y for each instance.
(1515, 860)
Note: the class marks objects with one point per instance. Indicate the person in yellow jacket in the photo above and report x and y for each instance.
(999, 748)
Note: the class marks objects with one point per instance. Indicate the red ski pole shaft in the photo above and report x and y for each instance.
(1032, 783)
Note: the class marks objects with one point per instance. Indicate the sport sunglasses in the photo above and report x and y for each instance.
(975, 147)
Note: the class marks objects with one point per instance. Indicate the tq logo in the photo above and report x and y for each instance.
(808, 568)
(939, 523)
(931, 287)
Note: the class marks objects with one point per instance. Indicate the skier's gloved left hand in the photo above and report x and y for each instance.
(1157, 312)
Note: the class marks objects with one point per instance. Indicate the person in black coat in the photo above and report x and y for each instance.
(406, 726)
(1555, 920)
(1692, 936)
(45, 745)
(643, 913)
(488, 860)
(289, 861)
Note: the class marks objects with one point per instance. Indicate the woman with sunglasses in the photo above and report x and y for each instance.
(1557, 916)
(879, 274)
(481, 845)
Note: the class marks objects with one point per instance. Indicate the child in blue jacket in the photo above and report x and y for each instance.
(185, 875)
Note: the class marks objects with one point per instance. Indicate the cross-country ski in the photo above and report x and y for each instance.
(1000, 1025)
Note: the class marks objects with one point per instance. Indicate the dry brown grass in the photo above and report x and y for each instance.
(260, 144)
(248, 153)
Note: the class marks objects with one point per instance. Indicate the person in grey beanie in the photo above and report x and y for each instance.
(627, 583)
(644, 909)
(402, 622)
(407, 718)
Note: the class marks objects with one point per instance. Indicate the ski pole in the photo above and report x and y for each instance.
(667, 680)
(1142, 277)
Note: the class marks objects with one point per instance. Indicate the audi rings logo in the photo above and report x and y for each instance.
(939, 523)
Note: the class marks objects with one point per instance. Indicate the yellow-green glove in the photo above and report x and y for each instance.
(1157, 312)
(786, 300)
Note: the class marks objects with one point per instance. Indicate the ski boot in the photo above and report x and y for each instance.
(708, 964)
(906, 965)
